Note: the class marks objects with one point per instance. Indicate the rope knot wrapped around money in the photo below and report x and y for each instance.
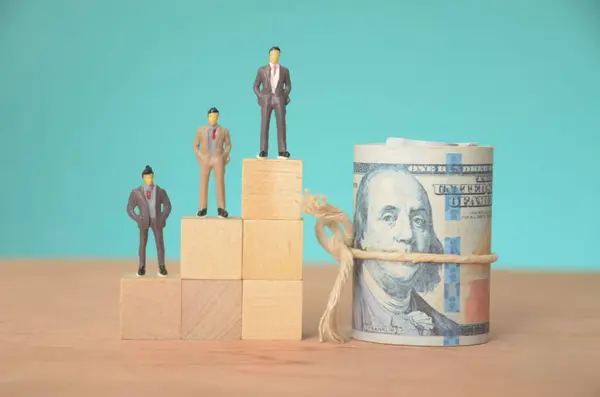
(339, 245)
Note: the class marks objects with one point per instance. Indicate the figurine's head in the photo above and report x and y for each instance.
(274, 53)
(148, 175)
(213, 116)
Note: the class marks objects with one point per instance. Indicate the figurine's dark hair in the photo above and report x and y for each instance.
(213, 110)
(274, 48)
(147, 171)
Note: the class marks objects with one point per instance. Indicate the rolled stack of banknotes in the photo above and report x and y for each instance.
(422, 197)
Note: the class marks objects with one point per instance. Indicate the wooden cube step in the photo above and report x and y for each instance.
(211, 309)
(272, 249)
(271, 189)
(272, 310)
(211, 248)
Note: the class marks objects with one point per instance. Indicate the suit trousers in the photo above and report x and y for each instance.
(157, 230)
(278, 106)
(216, 163)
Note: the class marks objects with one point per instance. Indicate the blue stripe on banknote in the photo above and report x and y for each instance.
(453, 166)
(452, 277)
(451, 284)
(451, 341)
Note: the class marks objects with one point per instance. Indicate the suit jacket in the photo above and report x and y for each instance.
(137, 198)
(222, 143)
(282, 91)
(365, 301)
(442, 325)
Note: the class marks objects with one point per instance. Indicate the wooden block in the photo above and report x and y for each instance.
(211, 309)
(272, 250)
(150, 307)
(211, 248)
(271, 189)
(272, 310)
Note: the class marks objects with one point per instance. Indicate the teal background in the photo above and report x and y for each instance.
(92, 91)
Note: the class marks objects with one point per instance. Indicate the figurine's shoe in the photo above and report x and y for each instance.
(202, 212)
(222, 213)
(141, 271)
(262, 155)
(283, 155)
(162, 271)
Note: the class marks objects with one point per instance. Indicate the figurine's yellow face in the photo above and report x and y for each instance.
(213, 118)
(148, 179)
(274, 57)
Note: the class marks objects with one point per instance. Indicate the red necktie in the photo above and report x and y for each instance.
(148, 194)
(274, 69)
(214, 135)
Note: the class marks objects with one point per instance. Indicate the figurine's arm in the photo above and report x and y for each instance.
(288, 83)
(226, 143)
(197, 140)
(166, 205)
(131, 207)
(257, 82)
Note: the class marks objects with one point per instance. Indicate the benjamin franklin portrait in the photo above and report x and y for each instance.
(398, 218)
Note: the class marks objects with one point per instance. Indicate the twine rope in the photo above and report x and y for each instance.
(339, 245)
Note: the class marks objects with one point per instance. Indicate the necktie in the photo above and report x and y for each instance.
(148, 194)
(214, 134)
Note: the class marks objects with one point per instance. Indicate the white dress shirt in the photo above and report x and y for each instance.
(274, 76)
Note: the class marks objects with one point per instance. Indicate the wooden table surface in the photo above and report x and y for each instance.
(59, 336)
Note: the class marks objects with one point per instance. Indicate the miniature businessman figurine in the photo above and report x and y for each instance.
(275, 95)
(212, 146)
(154, 209)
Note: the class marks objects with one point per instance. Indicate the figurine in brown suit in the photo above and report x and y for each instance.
(212, 146)
(154, 208)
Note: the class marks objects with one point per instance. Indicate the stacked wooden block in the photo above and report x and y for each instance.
(241, 278)
(272, 249)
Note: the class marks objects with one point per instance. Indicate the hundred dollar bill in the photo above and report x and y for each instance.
(422, 197)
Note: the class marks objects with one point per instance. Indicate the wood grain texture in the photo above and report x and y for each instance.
(272, 310)
(211, 309)
(150, 307)
(273, 250)
(271, 189)
(59, 337)
(211, 248)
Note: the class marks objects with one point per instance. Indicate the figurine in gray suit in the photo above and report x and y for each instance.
(154, 208)
(274, 96)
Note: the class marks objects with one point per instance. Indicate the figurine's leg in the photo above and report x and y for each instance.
(219, 171)
(142, 251)
(157, 230)
(281, 132)
(204, 176)
(266, 111)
